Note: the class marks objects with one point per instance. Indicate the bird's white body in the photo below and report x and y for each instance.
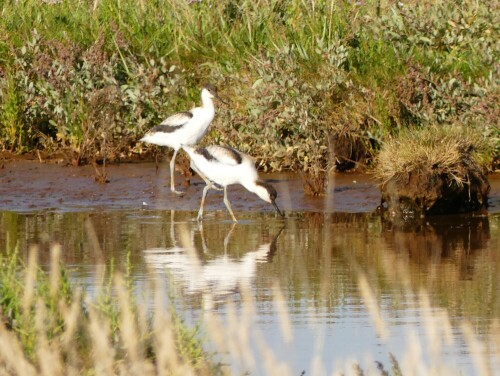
(184, 128)
(224, 166)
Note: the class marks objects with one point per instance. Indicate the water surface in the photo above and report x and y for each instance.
(315, 259)
(299, 286)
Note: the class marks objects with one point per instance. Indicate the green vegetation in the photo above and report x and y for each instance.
(89, 78)
(49, 326)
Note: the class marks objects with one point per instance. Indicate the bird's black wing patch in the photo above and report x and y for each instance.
(205, 153)
(233, 153)
(164, 128)
(226, 155)
(173, 122)
(222, 154)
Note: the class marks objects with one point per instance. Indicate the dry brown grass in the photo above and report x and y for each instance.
(88, 341)
(444, 150)
(62, 332)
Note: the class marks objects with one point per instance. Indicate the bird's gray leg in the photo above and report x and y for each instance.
(228, 206)
(203, 242)
(172, 174)
(228, 236)
(205, 190)
(209, 185)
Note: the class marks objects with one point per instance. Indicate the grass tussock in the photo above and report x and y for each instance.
(90, 78)
(433, 170)
(450, 151)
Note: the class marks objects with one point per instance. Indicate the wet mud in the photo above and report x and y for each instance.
(427, 192)
(28, 185)
(31, 186)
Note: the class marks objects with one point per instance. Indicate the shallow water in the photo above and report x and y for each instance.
(320, 257)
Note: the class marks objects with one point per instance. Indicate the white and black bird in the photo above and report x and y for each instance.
(221, 166)
(184, 128)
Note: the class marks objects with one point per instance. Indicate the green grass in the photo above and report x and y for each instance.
(13, 133)
(295, 70)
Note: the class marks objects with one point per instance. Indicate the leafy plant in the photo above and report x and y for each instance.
(90, 78)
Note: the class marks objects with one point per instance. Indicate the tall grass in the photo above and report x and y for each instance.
(49, 326)
(297, 71)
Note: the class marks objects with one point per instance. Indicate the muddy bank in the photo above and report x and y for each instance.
(27, 185)
(425, 193)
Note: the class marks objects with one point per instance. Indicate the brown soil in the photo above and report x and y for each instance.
(421, 193)
(31, 185)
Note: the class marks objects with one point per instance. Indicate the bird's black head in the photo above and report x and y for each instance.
(213, 90)
(269, 195)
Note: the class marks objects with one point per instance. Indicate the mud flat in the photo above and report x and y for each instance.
(27, 185)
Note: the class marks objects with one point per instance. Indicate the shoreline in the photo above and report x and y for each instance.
(26, 185)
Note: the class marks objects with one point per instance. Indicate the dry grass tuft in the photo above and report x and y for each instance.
(433, 170)
(444, 150)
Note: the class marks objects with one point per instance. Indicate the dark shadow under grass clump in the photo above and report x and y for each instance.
(435, 170)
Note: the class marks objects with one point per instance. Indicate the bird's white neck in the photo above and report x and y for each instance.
(259, 190)
(249, 185)
(206, 99)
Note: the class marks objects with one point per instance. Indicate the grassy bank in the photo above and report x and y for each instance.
(304, 76)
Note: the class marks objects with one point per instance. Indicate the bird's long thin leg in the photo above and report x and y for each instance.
(172, 230)
(228, 206)
(203, 242)
(205, 190)
(228, 236)
(172, 174)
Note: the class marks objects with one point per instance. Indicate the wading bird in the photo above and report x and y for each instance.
(222, 166)
(184, 128)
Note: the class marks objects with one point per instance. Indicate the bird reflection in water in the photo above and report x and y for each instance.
(196, 271)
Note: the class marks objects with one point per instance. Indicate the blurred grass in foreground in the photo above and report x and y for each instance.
(50, 327)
